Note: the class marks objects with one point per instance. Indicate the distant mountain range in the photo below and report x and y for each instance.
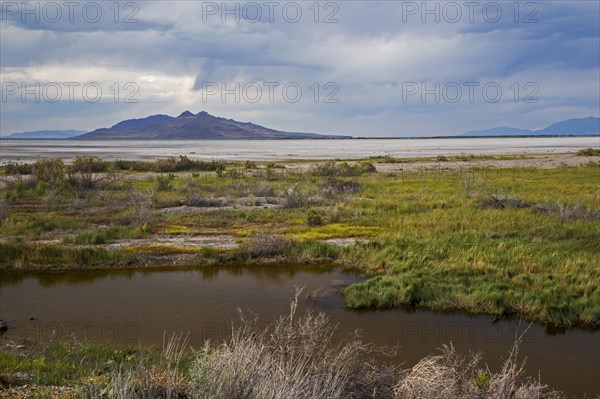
(570, 127)
(46, 134)
(202, 125)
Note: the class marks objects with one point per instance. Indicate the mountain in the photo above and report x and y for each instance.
(202, 126)
(570, 127)
(589, 125)
(46, 134)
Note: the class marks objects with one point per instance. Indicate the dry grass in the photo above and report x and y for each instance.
(296, 198)
(499, 200)
(569, 212)
(266, 245)
(295, 358)
(454, 376)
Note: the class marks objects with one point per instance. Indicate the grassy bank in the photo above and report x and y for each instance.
(294, 357)
(502, 241)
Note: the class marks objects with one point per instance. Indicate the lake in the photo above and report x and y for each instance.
(268, 150)
(139, 306)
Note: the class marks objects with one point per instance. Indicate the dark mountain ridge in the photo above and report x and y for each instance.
(189, 126)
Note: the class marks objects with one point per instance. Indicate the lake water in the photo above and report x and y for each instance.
(133, 307)
(28, 150)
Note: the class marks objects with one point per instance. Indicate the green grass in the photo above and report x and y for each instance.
(23, 257)
(442, 250)
(61, 363)
(105, 235)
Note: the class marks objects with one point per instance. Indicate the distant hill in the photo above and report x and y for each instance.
(202, 126)
(46, 134)
(573, 126)
(499, 131)
(570, 127)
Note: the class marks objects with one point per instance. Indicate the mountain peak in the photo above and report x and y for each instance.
(185, 114)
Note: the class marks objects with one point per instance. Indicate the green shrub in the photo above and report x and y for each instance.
(81, 172)
(9, 253)
(165, 182)
(333, 169)
(589, 152)
(314, 218)
(183, 163)
(18, 168)
(49, 170)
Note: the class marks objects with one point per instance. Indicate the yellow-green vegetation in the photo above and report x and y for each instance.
(512, 241)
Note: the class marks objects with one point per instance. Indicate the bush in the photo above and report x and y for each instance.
(333, 169)
(49, 171)
(266, 245)
(9, 253)
(165, 182)
(18, 168)
(4, 210)
(293, 358)
(500, 201)
(569, 212)
(452, 376)
(295, 198)
(138, 166)
(140, 208)
(589, 152)
(334, 186)
(314, 218)
(81, 172)
(183, 163)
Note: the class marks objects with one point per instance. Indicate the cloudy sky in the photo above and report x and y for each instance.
(365, 68)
